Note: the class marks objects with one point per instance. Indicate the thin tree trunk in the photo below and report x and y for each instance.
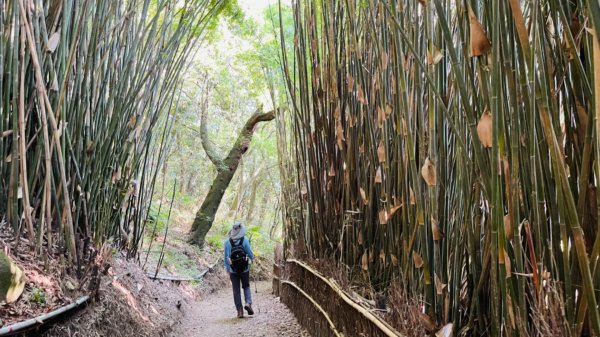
(225, 170)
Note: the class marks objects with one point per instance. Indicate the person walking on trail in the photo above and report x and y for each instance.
(238, 256)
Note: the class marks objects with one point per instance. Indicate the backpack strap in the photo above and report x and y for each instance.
(240, 242)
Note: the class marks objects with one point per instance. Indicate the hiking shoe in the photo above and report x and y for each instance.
(240, 313)
(248, 308)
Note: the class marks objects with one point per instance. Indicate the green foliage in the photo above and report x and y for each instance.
(215, 241)
(37, 296)
(158, 222)
(177, 263)
(229, 11)
(262, 244)
(231, 75)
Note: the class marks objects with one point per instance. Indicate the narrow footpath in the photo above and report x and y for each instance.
(215, 315)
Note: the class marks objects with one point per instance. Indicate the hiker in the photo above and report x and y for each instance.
(238, 256)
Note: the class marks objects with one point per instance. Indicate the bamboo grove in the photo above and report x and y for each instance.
(452, 146)
(87, 88)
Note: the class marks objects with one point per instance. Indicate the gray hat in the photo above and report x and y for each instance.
(238, 231)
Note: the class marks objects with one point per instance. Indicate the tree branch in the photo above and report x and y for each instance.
(242, 142)
(209, 148)
(258, 117)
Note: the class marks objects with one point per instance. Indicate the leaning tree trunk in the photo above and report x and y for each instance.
(225, 170)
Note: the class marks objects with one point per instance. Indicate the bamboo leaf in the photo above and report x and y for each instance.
(508, 228)
(53, 41)
(381, 153)
(383, 216)
(434, 57)
(435, 230)
(439, 285)
(394, 209)
(365, 261)
(427, 322)
(417, 259)
(480, 44)
(484, 129)
(363, 195)
(378, 176)
(428, 173)
(381, 117)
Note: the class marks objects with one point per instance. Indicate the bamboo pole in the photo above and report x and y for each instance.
(474, 118)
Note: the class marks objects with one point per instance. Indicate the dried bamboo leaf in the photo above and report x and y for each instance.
(507, 263)
(417, 259)
(53, 41)
(427, 322)
(384, 61)
(54, 87)
(381, 153)
(349, 82)
(339, 129)
(378, 176)
(360, 95)
(132, 121)
(480, 44)
(511, 312)
(383, 216)
(363, 196)
(381, 117)
(484, 129)
(434, 57)
(428, 173)
(508, 228)
(388, 110)
(435, 230)
(365, 261)
(382, 256)
(439, 285)
(394, 209)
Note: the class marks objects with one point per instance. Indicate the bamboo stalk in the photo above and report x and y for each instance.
(390, 107)
(85, 86)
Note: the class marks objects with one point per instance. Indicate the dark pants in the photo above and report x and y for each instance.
(244, 279)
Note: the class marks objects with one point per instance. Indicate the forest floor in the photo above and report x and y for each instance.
(131, 304)
(215, 315)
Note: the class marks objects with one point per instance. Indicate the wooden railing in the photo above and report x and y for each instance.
(322, 307)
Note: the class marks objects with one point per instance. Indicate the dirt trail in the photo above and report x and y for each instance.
(215, 315)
